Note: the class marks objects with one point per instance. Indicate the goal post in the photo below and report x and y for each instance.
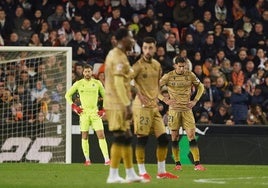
(35, 119)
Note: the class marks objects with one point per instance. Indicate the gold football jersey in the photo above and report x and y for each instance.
(146, 75)
(116, 64)
(179, 87)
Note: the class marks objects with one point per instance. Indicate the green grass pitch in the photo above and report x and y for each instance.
(29, 175)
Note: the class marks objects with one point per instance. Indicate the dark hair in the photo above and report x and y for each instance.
(149, 40)
(88, 67)
(179, 60)
(121, 33)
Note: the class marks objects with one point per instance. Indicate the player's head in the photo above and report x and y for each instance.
(179, 65)
(148, 47)
(124, 39)
(87, 71)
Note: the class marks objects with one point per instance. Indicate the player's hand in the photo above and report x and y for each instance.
(128, 112)
(101, 113)
(77, 109)
(191, 104)
(143, 99)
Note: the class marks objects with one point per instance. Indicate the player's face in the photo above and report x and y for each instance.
(87, 73)
(148, 50)
(180, 68)
(128, 42)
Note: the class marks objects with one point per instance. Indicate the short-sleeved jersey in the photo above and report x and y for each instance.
(89, 91)
(146, 75)
(116, 64)
(179, 88)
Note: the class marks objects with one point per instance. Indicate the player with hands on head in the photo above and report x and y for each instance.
(147, 118)
(89, 89)
(179, 83)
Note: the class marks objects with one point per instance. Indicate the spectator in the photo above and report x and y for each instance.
(257, 97)
(24, 32)
(189, 45)
(231, 49)
(37, 21)
(38, 91)
(11, 84)
(147, 30)
(264, 86)
(209, 49)
(13, 40)
(18, 18)
(207, 20)
(55, 20)
(257, 116)
(199, 9)
(198, 72)
(260, 58)
(95, 52)
(221, 13)
(116, 21)
(241, 38)
(258, 77)
(139, 6)
(126, 10)
(244, 23)
(242, 57)
(172, 46)
(46, 6)
(67, 30)
(204, 119)
(226, 69)
(249, 70)
(238, 77)
(35, 40)
(52, 39)
(44, 32)
(134, 25)
(182, 14)
(94, 23)
(54, 115)
(207, 66)
(220, 57)
(256, 11)
(264, 22)
(70, 9)
(238, 10)
(80, 48)
(104, 37)
(256, 38)
(197, 58)
(219, 36)
(221, 116)
(6, 25)
(161, 57)
(163, 11)
(239, 102)
(162, 35)
(199, 34)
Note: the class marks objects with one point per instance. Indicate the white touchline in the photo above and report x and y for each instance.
(225, 180)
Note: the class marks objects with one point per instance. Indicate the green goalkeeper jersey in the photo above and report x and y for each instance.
(89, 91)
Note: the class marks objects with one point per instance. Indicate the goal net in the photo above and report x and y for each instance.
(35, 121)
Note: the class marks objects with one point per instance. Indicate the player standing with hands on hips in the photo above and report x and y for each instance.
(179, 83)
(117, 104)
(89, 90)
(147, 118)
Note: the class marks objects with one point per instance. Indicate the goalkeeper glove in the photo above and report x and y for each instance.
(77, 109)
(101, 113)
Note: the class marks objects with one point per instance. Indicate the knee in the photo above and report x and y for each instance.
(121, 138)
(193, 143)
(163, 140)
(142, 141)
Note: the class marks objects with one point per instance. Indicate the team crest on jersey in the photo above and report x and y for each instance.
(119, 67)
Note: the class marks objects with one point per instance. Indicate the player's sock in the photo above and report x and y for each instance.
(142, 169)
(116, 155)
(113, 173)
(161, 153)
(195, 151)
(104, 149)
(161, 167)
(127, 154)
(175, 151)
(85, 148)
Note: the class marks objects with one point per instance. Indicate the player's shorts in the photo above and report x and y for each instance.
(177, 119)
(116, 120)
(147, 121)
(89, 119)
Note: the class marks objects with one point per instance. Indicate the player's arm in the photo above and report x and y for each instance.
(69, 95)
(163, 81)
(200, 90)
(101, 89)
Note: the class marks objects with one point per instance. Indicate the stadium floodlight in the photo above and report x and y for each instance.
(35, 121)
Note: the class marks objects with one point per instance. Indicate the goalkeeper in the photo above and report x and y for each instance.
(89, 89)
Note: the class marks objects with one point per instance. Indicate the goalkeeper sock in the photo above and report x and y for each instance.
(104, 149)
(85, 148)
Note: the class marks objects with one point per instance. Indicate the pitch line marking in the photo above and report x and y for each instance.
(225, 180)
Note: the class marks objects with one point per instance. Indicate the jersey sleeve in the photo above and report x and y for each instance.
(70, 92)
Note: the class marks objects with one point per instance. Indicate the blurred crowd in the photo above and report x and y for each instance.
(224, 42)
